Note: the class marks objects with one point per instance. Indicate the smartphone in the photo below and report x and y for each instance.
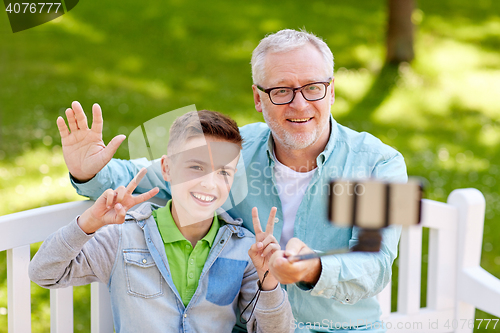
(372, 204)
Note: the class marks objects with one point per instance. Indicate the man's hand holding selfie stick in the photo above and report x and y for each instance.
(369, 205)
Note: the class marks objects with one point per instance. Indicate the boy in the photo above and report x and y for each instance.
(180, 267)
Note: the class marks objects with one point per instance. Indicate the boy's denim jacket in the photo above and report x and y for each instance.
(130, 258)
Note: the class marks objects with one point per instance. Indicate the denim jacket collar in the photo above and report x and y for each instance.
(144, 211)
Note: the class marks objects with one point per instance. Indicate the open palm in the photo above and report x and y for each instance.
(84, 151)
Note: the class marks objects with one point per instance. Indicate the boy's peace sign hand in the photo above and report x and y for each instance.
(84, 151)
(112, 206)
(265, 245)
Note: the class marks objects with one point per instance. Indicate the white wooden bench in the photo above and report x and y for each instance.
(456, 283)
(17, 232)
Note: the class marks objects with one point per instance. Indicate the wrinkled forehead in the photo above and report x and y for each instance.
(304, 65)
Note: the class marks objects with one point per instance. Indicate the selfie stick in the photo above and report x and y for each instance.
(371, 206)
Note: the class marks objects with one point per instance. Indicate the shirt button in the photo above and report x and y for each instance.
(144, 261)
(191, 261)
(188, 246)
(185, 315)
(347, 300)
(191, 275)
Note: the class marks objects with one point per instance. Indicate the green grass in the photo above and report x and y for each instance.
(140, 60)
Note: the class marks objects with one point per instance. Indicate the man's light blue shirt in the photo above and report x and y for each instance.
(344, 297)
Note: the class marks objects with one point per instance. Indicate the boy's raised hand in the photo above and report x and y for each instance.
(112, 206)
(265, 245)
(84, 151)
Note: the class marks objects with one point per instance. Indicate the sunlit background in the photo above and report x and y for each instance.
(141, 59)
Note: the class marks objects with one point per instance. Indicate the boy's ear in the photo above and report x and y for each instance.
(165, 168)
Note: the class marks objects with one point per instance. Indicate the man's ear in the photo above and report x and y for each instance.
(256, 98)
(332, 93)
(165, 168)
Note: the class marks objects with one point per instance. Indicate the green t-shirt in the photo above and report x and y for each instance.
(185, 262)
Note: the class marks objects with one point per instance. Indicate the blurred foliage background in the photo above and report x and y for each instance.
(139, 60)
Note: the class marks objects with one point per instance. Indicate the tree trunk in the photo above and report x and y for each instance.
(400, 31)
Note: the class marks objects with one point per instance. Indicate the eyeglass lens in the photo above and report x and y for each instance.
(311, 92)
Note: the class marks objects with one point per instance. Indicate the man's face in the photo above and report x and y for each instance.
(299, 124)
(201, 176)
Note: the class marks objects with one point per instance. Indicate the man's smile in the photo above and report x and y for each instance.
(299, 120)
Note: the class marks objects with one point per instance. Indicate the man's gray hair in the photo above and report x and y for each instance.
(283, 41)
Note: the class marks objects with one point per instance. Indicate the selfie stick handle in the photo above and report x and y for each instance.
(314, 255)
(369, 241)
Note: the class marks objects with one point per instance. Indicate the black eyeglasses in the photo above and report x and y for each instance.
(284, 95)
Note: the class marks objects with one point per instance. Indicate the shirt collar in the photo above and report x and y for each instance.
(322, 157)
(270, 148)
(330, 145)
(169, 231)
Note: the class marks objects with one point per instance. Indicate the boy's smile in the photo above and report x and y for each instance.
(204, 198)
(200, 175)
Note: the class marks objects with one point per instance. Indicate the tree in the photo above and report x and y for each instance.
(400, 31)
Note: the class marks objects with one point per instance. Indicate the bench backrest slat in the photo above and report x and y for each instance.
(18, 286)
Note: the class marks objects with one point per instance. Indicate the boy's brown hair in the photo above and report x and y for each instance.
(203, 122)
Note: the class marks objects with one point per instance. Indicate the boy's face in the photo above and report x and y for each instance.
(200, 175)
